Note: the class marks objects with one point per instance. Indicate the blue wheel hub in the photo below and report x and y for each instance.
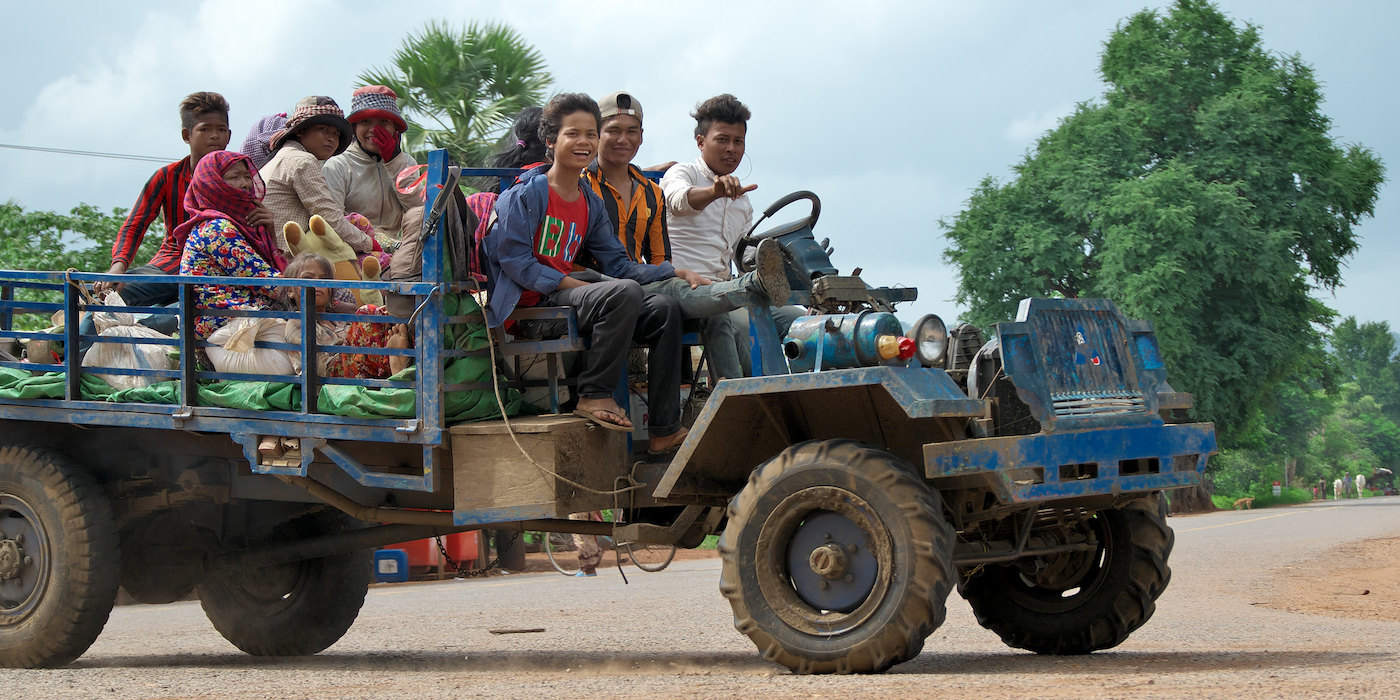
(830, 562)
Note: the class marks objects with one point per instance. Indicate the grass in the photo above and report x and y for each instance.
(1265, 499)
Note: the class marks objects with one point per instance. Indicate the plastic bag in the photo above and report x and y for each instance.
(118, 324)
(233, 349)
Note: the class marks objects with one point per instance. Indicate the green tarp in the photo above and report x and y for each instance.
(349, 401)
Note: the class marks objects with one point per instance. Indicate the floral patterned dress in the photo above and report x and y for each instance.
(216, 248)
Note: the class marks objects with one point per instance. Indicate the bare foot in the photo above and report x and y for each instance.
(398, 339)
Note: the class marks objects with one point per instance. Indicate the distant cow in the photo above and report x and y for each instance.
(1338, 489)
(1360, 484)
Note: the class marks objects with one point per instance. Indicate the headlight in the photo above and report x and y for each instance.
(930, 340)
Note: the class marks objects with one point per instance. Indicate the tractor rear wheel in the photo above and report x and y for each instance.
(291, 609)
(58, 558)
(836, 559)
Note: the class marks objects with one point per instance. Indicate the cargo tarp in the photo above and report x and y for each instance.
(349, 401)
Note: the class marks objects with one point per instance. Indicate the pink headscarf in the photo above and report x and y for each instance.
(209, 197)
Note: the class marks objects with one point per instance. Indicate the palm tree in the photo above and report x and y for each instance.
(460, 89)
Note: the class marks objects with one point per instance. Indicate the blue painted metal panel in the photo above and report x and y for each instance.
(1104, 447)
(921, 392)
(373, 479)
(1079, 362)
(488, 516)
(217, 420)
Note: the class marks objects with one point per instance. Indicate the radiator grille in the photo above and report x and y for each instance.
(1097, 403)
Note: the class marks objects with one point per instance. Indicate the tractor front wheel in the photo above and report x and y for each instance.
(836, 559)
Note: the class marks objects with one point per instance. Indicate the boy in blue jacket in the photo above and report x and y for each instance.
(542, 225)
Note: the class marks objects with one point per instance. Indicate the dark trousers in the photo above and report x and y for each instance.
(141, 294)
(617, 313)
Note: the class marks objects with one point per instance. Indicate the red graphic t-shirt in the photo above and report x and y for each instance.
(559, 238)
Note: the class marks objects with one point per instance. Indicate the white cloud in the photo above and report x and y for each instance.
(1031, 127)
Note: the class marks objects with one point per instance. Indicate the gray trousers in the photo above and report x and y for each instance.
(728, 343)
(617, 313)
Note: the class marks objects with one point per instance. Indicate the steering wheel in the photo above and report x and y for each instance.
(750, 238)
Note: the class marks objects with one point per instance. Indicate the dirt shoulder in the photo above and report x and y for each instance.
(1360, 581)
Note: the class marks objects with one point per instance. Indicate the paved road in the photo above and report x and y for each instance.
(670, 634)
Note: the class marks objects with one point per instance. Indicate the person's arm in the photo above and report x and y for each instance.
(676, 185)
(133, 229)
(723, 186)
(515, 248)
(315, 195)
(657, 239)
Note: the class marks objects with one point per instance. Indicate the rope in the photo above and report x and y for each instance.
(496, 391)
(82, 289)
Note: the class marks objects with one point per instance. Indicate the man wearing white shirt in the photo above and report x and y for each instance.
(709, 211)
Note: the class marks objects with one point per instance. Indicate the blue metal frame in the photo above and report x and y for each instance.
(1027, 468)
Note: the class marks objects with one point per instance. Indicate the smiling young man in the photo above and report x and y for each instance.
(542, 225)
(709, 212)
(637, 209)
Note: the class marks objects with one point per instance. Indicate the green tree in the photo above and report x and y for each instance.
(43, 240)
(1203, 192)
(1366, 354)
(460, 88)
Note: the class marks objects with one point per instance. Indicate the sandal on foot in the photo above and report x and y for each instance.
(602, 422)
(671, 451)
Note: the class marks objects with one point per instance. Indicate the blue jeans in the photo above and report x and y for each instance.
(716, 303)
(729, 344)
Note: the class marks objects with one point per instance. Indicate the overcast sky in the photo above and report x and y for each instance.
(890, 111)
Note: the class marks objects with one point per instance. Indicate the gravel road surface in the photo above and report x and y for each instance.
(670, 634)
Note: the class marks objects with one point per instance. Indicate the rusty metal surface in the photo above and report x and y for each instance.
(1048, 466)
(749, 420)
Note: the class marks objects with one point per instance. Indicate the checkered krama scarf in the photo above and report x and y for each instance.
(209, 198)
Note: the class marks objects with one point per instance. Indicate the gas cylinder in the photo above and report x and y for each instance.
(835, 341)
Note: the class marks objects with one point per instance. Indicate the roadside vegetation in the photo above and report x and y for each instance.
(1204, 191)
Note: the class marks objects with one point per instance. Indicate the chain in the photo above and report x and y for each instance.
(461, 567)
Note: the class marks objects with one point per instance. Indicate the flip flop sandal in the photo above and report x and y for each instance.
(608, 425)
(669, 451)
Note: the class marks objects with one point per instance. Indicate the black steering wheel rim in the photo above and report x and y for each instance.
(751, 239)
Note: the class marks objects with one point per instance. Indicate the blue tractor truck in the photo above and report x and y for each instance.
(869, 468)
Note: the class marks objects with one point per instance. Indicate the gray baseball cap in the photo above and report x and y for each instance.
(620, 102)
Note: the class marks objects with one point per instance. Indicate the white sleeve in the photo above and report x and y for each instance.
(675, 185)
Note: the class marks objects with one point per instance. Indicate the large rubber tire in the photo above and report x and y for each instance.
(858, 499)
(63, 570)
(1112, 593)
(291, 609)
